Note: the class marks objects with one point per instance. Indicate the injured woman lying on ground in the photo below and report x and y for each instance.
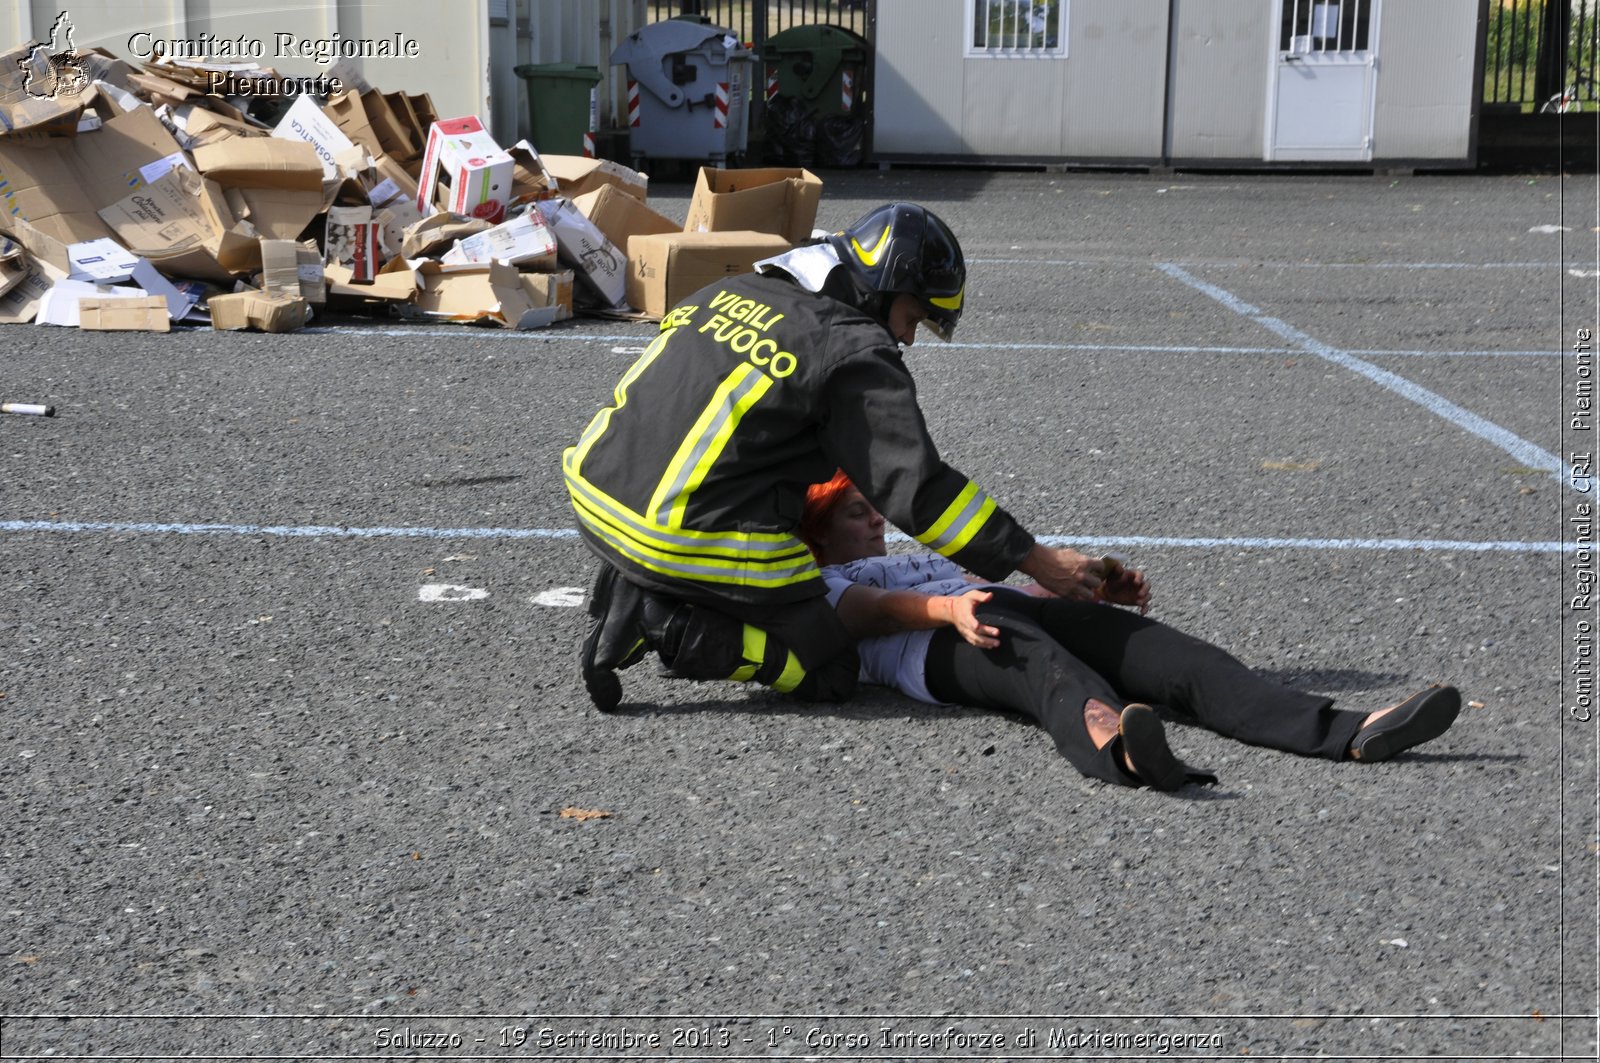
(1090, 672)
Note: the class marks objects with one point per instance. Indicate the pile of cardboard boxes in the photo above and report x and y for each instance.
(133, 197)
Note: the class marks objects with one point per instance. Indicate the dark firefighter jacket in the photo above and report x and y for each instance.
(754, 389)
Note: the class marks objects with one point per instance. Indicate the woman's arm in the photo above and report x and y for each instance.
(867, 611)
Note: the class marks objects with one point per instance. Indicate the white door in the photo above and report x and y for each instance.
(1321, 89)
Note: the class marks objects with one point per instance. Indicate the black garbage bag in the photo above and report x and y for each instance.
(839, 140)
(791, 132)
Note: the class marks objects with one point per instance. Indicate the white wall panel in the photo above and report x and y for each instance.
(1426, 81)
(1013, 107)
(1115, 79)
(1220, 70)
(919, 78)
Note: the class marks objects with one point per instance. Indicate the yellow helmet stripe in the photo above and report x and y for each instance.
(952, 302)
(871, 257)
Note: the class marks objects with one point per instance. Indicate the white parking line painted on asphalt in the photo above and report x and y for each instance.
(1534, 457)
(1276, 265)
(560, 597)
(46, 527)
(450, 592)
(285, 531)
(631, 348)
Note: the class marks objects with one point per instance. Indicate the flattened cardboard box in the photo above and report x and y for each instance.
(665, 270)
(394, 136)
(578, 175)
(773, 200)
(348, 113)
(280, 269)
(435, 234)
(258, 310)
(20, 303)
(41, 94)
(392, 285)
(288, 268)
(529, 179)
(103, 262)
(489, 294)
(183, 225)
(58, 183)
(12, 271)
(60, 304)
(142, 314)
(204, 127)
(313, 276)
(550, 289)
(279, 181)
(618, 215)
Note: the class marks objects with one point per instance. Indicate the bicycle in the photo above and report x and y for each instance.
(1570, 100)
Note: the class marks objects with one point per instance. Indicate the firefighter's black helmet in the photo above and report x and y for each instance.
(902, 247)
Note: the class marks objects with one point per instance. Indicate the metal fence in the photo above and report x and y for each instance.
(756, 20)
(1536, 50)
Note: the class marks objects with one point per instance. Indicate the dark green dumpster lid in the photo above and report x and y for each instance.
(814, 38)
(558, 70)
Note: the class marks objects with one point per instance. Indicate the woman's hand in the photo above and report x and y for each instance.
(964, 618)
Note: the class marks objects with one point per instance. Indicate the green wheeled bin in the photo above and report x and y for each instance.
(816, 96)
(561, 105)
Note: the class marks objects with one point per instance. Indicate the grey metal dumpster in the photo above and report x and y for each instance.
(688, 92)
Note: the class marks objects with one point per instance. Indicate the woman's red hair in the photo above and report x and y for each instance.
(821, 500)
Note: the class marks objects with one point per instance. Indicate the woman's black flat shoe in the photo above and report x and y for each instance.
(1420, 718)
(1144, 740)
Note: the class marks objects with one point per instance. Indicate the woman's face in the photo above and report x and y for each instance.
(855, 530)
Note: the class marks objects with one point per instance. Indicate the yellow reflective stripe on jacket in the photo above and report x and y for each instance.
(960, 521)
(763, 560)
(716, 424)
(721, 557)
(701, 570)
(574, 455)
(760, 546)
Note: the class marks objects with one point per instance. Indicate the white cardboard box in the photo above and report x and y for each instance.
(476, 170)
(523, 241)
(582, 246)
(308, 122)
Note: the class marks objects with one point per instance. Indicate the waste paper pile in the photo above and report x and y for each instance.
(143, 196)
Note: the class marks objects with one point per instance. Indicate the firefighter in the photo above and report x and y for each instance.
(689, 487)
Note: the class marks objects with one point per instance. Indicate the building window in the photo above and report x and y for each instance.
(1012, 29)
(1314, 26)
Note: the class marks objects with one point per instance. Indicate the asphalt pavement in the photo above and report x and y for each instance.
(297, 762)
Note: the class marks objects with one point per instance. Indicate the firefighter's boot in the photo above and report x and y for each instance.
(616, 636)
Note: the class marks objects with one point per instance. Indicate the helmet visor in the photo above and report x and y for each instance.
(943, 313)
